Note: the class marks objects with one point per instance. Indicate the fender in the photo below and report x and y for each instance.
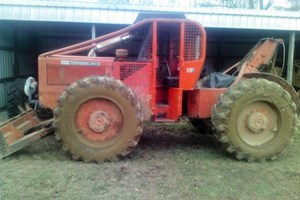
(283, 83)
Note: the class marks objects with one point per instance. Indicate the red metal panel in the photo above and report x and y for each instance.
(161, 94)
(68, 70)
(127, 70)
(192, 53)
(49, 99)
(154, 67)
(48, 94)
(189, 74)
(181, 55)
(138, 77)
(60, 77)
(194, 37)
(175, 103)
(201, 101)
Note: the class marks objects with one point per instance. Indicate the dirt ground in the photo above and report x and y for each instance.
(170, 162)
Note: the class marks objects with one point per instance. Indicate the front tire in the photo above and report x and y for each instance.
(98, 118)
(255, 119)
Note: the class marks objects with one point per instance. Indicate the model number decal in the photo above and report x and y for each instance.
(190, 70)
(80, 63)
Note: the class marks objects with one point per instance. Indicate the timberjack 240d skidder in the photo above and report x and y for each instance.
(102, 90)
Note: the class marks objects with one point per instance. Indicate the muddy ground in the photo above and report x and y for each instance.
(170, 162)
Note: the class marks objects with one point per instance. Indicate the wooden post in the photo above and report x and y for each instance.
(290, 64)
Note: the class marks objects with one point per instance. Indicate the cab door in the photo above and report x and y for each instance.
(192, 53)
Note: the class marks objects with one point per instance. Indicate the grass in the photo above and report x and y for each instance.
(170, 162)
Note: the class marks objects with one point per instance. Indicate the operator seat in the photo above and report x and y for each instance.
(168, 79)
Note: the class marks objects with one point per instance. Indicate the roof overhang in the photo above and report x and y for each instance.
(96, 13)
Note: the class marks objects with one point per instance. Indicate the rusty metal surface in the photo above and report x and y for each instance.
(201, 101)
(22, 131)
(260, 54)
(16, 127)
(99, 119)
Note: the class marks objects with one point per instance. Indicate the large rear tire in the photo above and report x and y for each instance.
(97, 119)
(255, 119)
(16, 98)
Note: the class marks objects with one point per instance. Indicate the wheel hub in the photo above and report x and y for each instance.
(99, 121)
(257, 122)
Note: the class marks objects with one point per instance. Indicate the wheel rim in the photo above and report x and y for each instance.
(258, 123)
(99, 120)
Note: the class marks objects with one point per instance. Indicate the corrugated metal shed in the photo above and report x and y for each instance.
(21, 42)
(6, 63)
(91, 11)
(17, 56)
(6, 59)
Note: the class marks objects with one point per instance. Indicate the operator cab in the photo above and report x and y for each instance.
(158, 58)
(165, 56)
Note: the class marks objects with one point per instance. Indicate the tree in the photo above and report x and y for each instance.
(247, 4)
(295, 5)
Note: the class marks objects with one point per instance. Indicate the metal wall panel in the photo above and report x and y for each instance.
(23, 39)
(3, 93)
(246, 21)
(6, 50)
(110, 13)
(6, 59)
(125, 12)
(6, 71)
(50, 43)
(6, 35)
(6, 64)
(27, 64)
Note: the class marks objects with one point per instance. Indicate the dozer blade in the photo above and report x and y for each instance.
(21, 131)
